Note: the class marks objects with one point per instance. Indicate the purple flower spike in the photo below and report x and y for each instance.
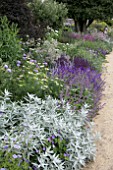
(1, 112)
(35, 61)
(44, 149)
(66, 154)
(24, 58)
(6, 66)
(45, 63)
(36, 71)
(61, 139)
(37, 151)
(9, 70)
(52, 142)
(18, 62)
(6, 138)
(53, 136)
(24, 55)
(17, 146)
(49, 139)
(14, 139)
(18, 65)
(59, 132)
(19, 156)
(3, 169)
(26, 160)
(15, 156)
(37, 66)
(6, 147)
(32, 61)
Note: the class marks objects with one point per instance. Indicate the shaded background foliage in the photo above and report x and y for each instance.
(84, 12)
(18, 12)
(34, 18)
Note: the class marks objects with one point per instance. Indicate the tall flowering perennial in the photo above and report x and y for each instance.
(86, 37)
(82, 83)
(98, 52)
(46, 133)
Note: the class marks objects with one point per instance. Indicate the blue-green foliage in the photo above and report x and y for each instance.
(46, 132)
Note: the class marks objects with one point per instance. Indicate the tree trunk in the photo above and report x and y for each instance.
(82, 25)
(89, 22)
(77, 27)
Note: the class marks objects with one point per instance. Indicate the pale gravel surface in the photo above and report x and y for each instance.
(104, 123)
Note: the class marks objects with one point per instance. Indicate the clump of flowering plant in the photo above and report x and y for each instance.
(82, 83)
(79, 62)
(88, 37)
(29, 76)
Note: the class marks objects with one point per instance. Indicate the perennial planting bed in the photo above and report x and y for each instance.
(50, 93)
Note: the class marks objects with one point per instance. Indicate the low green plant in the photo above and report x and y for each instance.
(95, 60)
(78, 97)
(94, 52)
(11, 161)
(110, 33)
(97, 44)
(10, 47)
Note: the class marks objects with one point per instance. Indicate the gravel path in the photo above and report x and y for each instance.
(104, 124)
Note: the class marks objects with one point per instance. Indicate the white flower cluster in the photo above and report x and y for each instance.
(51, 47)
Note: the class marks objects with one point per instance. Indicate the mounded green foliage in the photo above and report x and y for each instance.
(98, 25)
(49, 12)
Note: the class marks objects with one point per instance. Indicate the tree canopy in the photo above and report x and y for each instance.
(85, 11)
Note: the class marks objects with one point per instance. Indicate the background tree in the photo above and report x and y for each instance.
(49, 12)
(84, 12)
(18, 12)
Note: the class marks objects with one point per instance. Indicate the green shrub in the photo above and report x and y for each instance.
(94, 52)
(94, 60)
(110, 33)
(110, 22)
(98, 25)
(49, 12)
(10, 47)
(97, 44)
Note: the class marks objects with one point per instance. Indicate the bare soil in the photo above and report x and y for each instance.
(104, 123)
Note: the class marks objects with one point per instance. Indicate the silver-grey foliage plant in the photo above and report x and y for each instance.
(24, 126)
